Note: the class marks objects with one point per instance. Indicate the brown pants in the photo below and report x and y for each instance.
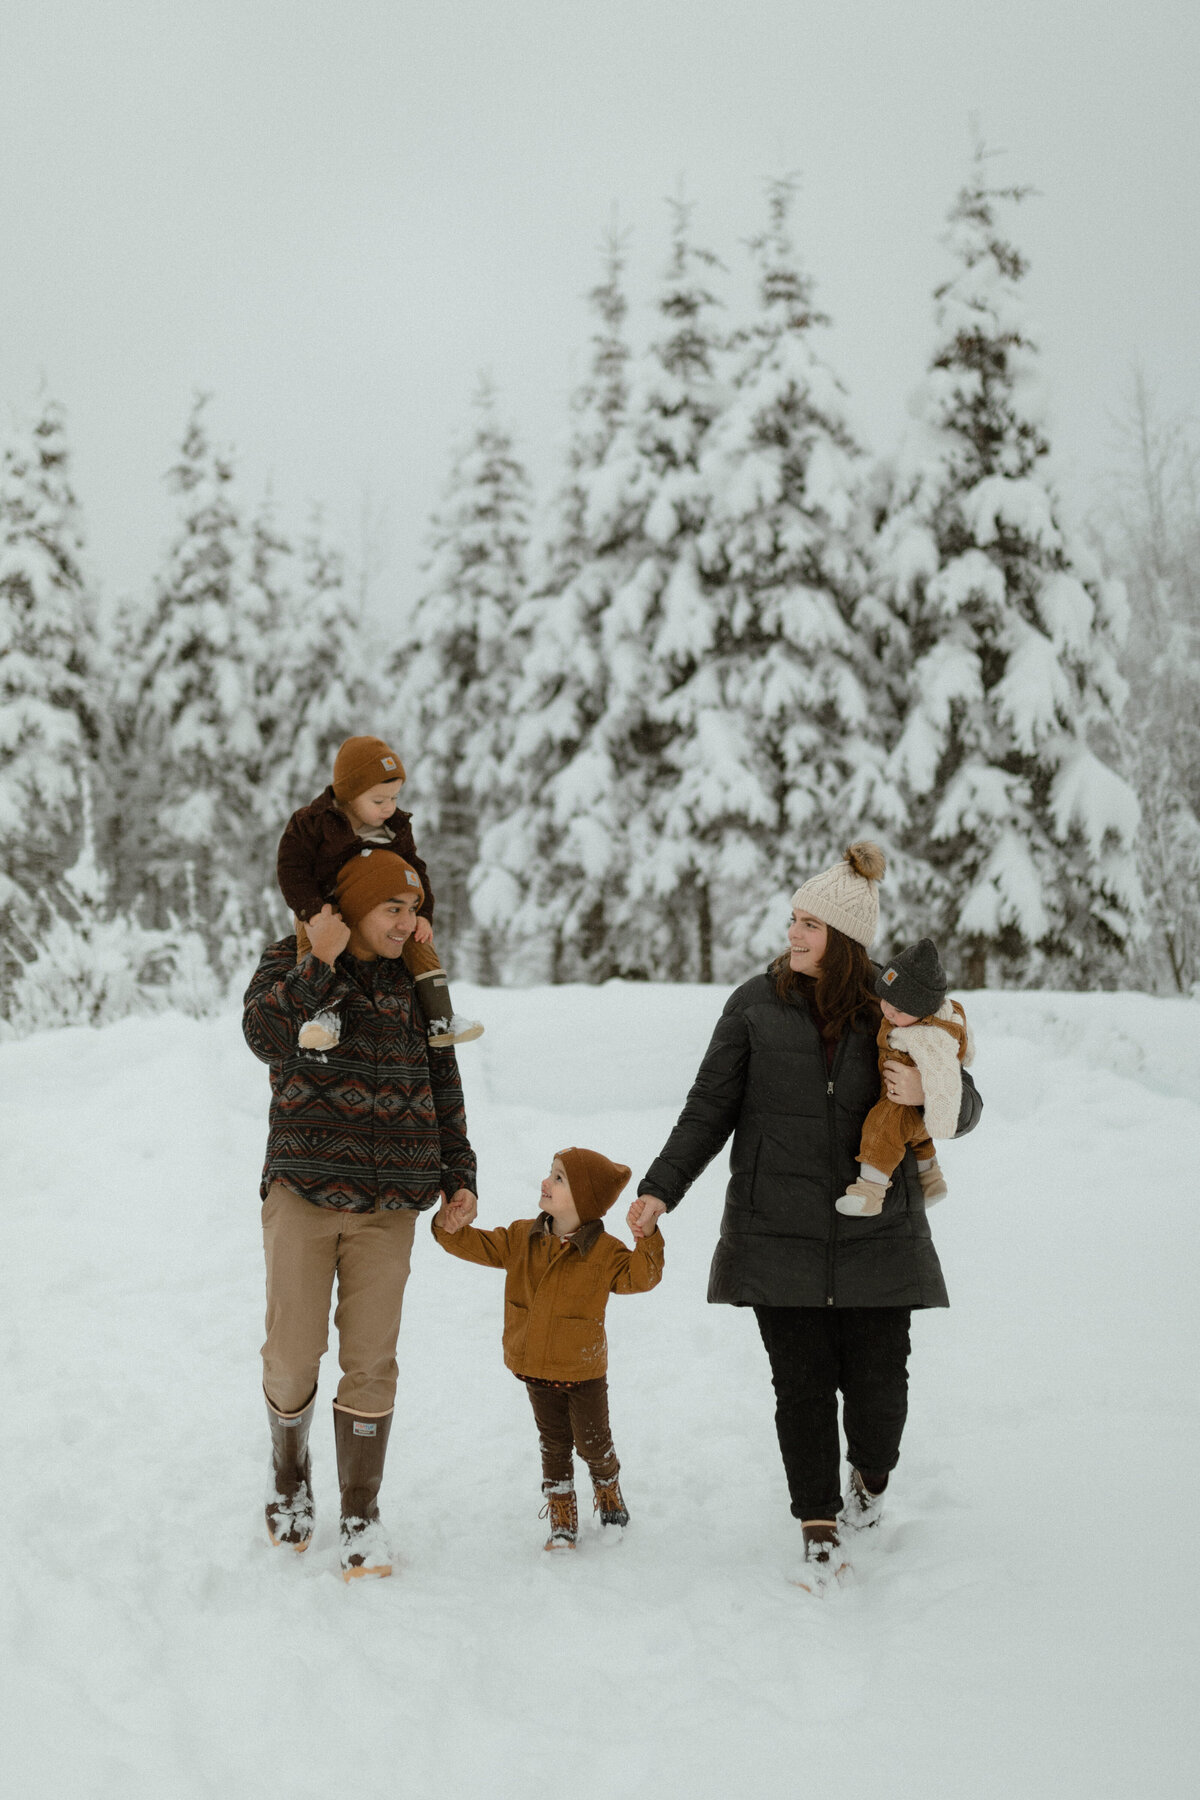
(306, 1248)
(419, 959)
(887, 1132)
(573, 1416)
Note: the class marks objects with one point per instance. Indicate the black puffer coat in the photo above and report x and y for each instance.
(796, 1127)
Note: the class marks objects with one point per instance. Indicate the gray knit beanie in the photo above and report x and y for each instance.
(847, 896)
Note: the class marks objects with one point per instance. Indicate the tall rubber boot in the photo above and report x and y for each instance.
(289, 1510)
(361, 1450)
(444, 1025)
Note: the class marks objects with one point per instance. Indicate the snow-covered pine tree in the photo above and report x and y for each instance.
(48, 699)
(189, 818)
(324, 693)
(646, 510)
(452, 678)
(779, 745)
(1003, 651)
(534, 875)
(1151, 532)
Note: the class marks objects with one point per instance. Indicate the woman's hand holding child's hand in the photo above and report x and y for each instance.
(457, 1211)
(642, 1217)
(328, 933)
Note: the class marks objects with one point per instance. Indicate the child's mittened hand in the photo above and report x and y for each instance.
(423, 932)
(328, 933)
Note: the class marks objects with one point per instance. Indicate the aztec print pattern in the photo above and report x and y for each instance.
(376, 1124)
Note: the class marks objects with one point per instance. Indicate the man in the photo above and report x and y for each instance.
(362, 1138)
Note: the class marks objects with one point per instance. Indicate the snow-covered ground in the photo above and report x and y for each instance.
(1024, 1623)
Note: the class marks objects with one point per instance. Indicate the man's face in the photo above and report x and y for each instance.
(386, 929)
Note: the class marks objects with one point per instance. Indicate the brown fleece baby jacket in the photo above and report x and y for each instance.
(556, 1290)
(941, 1046)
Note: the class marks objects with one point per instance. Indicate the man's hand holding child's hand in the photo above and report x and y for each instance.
(457, 1211)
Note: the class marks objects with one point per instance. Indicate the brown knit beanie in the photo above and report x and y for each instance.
(360, 764)
(846, 896)
(372, 877)
(595, 1182)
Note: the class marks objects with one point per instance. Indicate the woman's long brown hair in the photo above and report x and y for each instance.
(842, 995)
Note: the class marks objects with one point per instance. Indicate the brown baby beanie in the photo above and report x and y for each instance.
(595, 1182)
(360, 764)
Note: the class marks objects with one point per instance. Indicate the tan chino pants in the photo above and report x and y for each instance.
(307, 1248)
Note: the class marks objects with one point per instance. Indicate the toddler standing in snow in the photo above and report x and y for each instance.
(560, 1269)
(354, 814)
(920, 1026)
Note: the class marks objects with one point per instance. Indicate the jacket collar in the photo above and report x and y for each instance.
(581, 1240)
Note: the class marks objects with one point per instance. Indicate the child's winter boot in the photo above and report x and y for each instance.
(444, 1025)
(290, 1517)
(824, 1563)
(864, 1507)
(933, 1182)
(563, 1514)
(863, 1199)
(322, 1032)
(609, 1502)
(361, 1449)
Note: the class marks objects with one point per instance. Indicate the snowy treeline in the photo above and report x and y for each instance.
(637, 710)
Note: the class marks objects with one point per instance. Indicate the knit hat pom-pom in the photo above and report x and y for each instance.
(867, 860)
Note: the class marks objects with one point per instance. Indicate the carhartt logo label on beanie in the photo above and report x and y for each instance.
(890, 975)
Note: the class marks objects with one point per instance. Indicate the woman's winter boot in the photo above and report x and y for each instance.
(444, 1025)
(563, 1514)
(361, 1450)
(824, 1563)
(290, 1517)
(609, 1502)
(864, 1507)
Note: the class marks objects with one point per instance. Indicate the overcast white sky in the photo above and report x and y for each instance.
(334, 213)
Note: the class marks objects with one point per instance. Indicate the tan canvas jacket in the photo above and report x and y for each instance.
(555, 1292)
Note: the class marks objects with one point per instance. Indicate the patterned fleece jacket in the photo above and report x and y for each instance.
(376, 1124)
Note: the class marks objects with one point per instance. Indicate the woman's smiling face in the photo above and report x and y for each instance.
(807, 938)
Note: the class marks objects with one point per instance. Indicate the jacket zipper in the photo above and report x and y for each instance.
(833, 1213)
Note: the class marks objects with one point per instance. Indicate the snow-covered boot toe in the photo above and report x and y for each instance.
(609, 1502)
(361, 1448)
(824, 1563)
(289, 1510)
(864, 1507)
(455, 1030)
(863, 1199)
(560, 1509)
(933, 1183)
(322, 1032)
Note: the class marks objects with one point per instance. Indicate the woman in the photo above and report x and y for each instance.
(791, 1072)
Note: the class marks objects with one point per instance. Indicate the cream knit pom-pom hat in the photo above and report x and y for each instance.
(847, 895)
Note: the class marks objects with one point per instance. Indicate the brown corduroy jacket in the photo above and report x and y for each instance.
(319, 839)
(555, 1292)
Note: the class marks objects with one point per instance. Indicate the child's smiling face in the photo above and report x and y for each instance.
(557, 1199)
(376, 806)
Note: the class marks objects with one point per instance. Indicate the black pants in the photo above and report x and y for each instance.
(573, 1417)
(814, 1351)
